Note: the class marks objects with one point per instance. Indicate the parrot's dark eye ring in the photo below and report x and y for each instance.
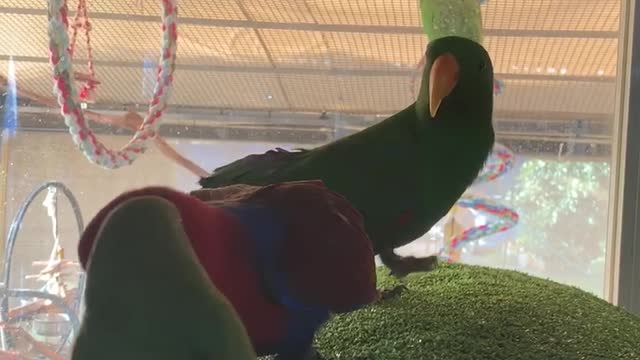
(482, 66)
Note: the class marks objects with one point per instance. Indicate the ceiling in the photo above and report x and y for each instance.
(557, 58)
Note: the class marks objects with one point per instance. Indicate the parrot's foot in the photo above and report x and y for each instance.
(401, 266)
(392, 293)
(148, 298)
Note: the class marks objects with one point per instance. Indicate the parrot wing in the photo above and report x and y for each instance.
(255, 169)
(348, 155)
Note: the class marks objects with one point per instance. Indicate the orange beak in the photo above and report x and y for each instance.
(442, 80)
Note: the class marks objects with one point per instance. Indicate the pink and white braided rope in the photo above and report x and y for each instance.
(67, 94)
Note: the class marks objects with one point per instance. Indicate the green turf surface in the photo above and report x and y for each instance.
(465, 312)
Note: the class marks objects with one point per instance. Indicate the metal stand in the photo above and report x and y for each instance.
(6, 292)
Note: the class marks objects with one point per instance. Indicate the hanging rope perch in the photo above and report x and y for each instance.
(67, 95)
(81, 21)
(131, 121)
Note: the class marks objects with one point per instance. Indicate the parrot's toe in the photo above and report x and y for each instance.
(392, 293)
(148, 298)
(401, 266)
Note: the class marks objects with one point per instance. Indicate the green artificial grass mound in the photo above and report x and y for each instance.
(466, 312)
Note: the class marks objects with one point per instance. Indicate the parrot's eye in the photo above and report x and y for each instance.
(482, 66)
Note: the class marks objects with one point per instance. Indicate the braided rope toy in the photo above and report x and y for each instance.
(81, 21)
(66, 92)
(504, 218)
(500, 161)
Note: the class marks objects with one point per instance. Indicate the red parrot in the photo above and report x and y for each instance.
(285, 256)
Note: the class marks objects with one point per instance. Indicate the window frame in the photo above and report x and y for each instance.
(622, 273)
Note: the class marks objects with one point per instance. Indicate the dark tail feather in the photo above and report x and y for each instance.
(256, 169)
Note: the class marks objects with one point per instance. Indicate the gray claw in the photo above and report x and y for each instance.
(404, 266)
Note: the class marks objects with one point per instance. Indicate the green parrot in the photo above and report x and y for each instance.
(130, 312)
(404, 173)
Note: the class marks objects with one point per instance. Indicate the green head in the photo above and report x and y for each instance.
(454, 112)
(457, 83)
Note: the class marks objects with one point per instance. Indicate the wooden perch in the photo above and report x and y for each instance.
(41, 306)
(42, 348)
